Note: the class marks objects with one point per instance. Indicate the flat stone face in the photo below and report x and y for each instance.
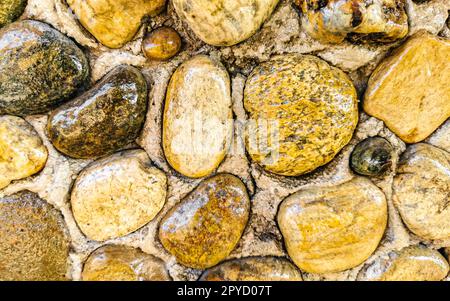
(22, 152)
(409, 90)
(331, 21)
(40, 68)
(10, 10)
(198, 126)
(118, 195)
(222, 22)
(161, 44)
(33, 239)
(121, 263)
(415, 263)
(302, 111)
(205, 227)
(104, 119)
(421, 191)
(253, 269)
(333, 229)
(114, 23)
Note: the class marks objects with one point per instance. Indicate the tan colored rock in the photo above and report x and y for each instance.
(121, 263)
(22, 152)
(118, 195)
(34, 242)
(421, 191)
(335, 228)
(415, 263)
(114, 23)
(198, 119)
(206, 225)
(253, 269)
(409, 90)
(222, 22)
(302, 111)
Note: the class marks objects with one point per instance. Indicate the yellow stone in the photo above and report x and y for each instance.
(206, 226)
(333, 229)
(224, 22)
(421, 191)
(410, 89)
(198, 119)
(114, 23)
(118, 195)
(121, 263)
(415, 263)
(22, 152)
(302, 113)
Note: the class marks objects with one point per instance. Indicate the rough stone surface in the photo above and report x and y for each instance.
(22, 152)
(254, 269)
(409, 89)
(206, 226)
(118, 195)
(197, 128)
(121, 263)
(415, 263)
(34, 244)
(104, 119)
(40, 68)
(422, 191)
(10, 10)
(303, 112)
(114, 23)
(333, 229)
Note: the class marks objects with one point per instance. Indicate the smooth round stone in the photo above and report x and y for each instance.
(253, 269)
(117, 195)
(104, 119)
(198, 119)
(333, 229)
(415, 263)
(223, 22)
(161, 44)
(206, 225)
(372, 157)
(40, 68)
(34, 242)
(10, 10)
(409, 90)
(302, 113)
(421, 191)
(122, 263)
(114, 23)
(22, 152)
(331, 21)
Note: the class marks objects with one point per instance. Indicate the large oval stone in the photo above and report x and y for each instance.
(415, 263)
(205, 227)
(198, 124)
(253, 269)
(114, 23)
(39, 68)
(104, 119)
(118, 195)
(122, 263)
(22, 152)
(421, 191)
(34, 241)
(335, 228)
(302, 111)
(222, 22)
(10, 10)
(409, 90)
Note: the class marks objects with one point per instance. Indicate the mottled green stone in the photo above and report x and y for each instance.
(39, 68)
(372, 157)
(104, 119)
(10, 10)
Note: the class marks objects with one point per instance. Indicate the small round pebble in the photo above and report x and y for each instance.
(161, 44)
(372, 157)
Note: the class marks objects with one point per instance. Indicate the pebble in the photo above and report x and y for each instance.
(372, 157)
(162, 44)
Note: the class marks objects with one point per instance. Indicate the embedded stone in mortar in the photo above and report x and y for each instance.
(10, 10)
(161, 44)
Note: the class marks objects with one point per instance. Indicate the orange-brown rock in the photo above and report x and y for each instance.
(161, 44)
